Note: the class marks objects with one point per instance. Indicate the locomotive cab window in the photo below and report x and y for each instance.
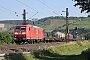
(23, 27)
(17, 27)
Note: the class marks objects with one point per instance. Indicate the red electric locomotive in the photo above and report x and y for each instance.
(27, 33)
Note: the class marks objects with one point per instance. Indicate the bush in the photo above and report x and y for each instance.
(86, 53)
(6, 38)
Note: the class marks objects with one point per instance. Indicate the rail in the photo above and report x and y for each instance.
(6, 54)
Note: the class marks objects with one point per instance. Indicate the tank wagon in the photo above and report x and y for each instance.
(27, 33)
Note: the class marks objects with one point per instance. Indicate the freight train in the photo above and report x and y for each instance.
(26, 33)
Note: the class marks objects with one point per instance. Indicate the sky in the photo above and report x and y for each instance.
(13, 9)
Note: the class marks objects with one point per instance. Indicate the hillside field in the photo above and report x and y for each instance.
(48, 23)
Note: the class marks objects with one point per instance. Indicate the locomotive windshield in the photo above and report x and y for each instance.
(23, 27)
(20, 27)
(17, 27)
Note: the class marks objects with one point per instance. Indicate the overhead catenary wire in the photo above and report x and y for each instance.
(25, 5)
(37, 5)
(48, 7)
(16, 12)
(52, 6)
(10, 10)
(6, 11)
(29, 6)
(32, 16)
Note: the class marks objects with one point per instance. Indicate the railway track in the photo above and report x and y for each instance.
(27, 47)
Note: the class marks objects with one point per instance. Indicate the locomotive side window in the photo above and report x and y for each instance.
(23, 27)
(17, 27)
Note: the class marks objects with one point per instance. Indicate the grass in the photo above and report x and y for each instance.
(74, 51)
(55, 24)
(85, 23)
(64, 52)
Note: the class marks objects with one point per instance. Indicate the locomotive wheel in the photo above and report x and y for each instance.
(38, 41)
(32, 41)
(29, 42)
(17, 42)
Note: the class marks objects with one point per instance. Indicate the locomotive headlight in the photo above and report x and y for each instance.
(16, 33)
(23, 32)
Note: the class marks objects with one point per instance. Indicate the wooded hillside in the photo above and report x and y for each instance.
(47, 23)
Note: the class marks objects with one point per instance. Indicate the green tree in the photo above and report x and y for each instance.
(88, 35)
(6, 38)
(83, 4)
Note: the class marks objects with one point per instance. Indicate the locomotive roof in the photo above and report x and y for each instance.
(36, 27)
(30, 25)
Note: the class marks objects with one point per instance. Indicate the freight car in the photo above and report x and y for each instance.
(69, 36)
(59, 37)
(27, 33)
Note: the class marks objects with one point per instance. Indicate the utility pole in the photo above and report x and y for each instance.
(67, 23)
(24, 16)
